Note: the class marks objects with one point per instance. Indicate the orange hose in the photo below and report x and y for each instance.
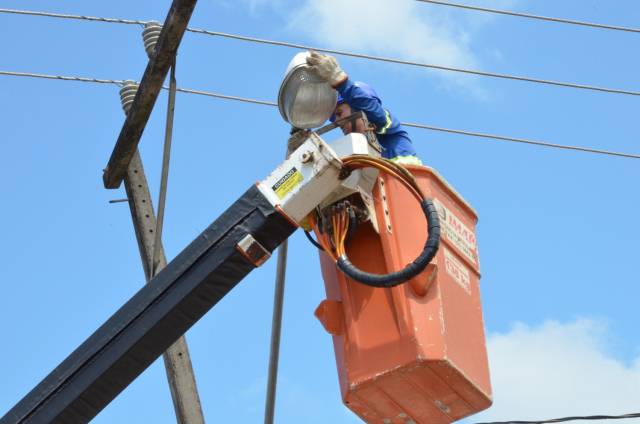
(384, 165)
(340, 217)
(322, 238)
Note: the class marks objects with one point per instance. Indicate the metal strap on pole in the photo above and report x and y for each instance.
(166, 155)
(276, 326)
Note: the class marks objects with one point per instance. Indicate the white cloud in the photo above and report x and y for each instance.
(256, 7)
(382, 26)
(401, 29)
(558, 370)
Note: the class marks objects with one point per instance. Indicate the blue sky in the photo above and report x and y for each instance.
(558, 231)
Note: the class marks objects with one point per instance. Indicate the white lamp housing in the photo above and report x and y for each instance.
(304, 100)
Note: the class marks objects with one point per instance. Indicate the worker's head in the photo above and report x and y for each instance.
(343, 109)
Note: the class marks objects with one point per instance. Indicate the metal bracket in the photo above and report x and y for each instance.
(253, 251)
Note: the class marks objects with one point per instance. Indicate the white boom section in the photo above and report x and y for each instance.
(310, 176)
(361, 180)
(304, 180)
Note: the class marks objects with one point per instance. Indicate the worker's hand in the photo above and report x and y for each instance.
(327, 68)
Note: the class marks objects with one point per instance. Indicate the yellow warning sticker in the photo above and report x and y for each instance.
(288, 182)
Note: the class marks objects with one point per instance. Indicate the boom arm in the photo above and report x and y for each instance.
(202, 274)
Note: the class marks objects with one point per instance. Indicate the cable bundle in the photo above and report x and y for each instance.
(341, 217)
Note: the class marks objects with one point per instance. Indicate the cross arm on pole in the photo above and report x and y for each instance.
(172, 31)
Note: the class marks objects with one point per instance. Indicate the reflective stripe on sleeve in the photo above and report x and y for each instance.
(384, 129)
(406, 160)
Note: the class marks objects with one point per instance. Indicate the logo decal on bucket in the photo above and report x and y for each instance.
(457, 270)
(461, 236)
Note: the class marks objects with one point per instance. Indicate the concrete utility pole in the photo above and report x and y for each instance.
(177, 361)
(161, 43)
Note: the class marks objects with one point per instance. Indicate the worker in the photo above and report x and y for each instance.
(354, 96)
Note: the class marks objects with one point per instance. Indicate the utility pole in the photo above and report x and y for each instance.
(177, 360)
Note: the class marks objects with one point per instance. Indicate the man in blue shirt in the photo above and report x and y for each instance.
(354, 96)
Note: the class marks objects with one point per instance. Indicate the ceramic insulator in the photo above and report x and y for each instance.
(150, 35)
(127, 94)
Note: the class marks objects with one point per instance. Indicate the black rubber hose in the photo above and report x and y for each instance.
(315, 243)
(411, 270)
(353, 224)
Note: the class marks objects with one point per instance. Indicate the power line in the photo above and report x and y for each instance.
(121, 82)
(225, 97)
(530, 16)
(559, 420)
(521, 140)
(350, 54)
(408, 124)
(61, 77)
(417, 64)
(68, 16)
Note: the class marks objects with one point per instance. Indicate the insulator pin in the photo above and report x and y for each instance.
(150, 35)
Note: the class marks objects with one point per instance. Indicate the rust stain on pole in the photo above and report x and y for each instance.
(150, 86)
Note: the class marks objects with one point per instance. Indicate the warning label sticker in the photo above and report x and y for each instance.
(462, 237)
(288, 182)
(457, 270)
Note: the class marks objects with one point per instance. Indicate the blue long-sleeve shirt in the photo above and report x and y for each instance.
(391, 135)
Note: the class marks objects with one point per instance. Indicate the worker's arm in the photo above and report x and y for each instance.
(327, 68)
(360, 99)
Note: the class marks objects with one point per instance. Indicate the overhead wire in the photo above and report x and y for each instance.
(273, 104)
(71, 16)
(348, 54)
(62, 77)
(437, 2)
(226, 97)
(418, 64)
(531, 16)
(521, 140)
(565, 419)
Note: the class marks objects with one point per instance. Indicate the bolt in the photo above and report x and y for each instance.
(307, 157)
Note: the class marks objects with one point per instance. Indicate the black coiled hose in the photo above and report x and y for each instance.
(411, 270)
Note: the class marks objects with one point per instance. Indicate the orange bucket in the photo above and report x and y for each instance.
(414, 353)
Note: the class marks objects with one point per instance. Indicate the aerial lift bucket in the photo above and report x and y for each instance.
(413, 353)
